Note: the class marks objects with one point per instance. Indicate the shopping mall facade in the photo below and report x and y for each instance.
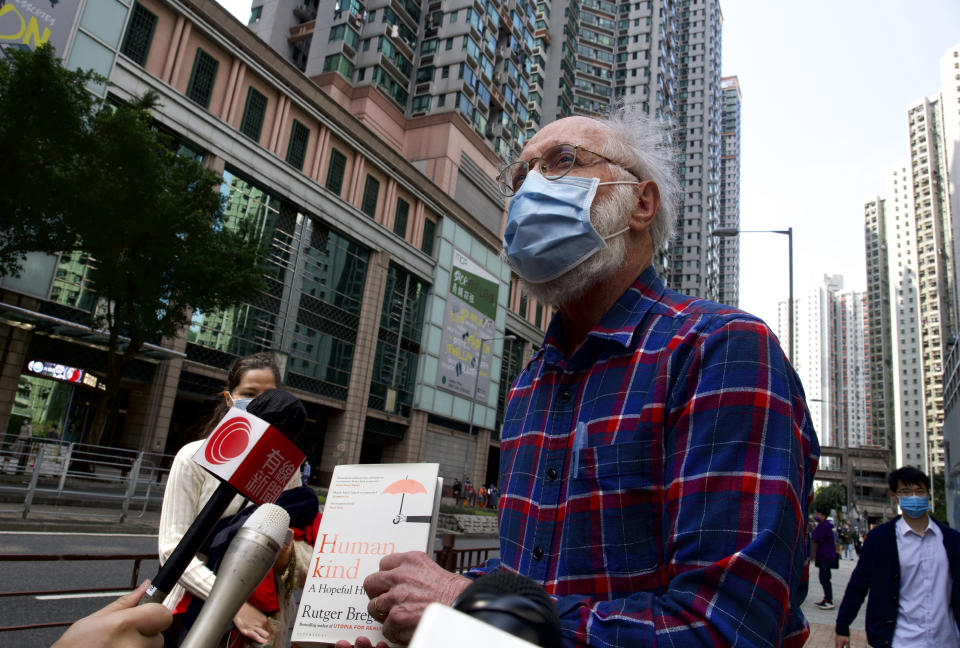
(385, 290)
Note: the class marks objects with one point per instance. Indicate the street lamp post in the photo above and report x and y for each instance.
(473, 402)
(732, 231)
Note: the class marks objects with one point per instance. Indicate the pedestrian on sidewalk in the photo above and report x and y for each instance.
(21, 447)
(911, 568)
(825, 555)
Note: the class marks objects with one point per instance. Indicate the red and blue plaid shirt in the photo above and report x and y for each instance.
(656, 482)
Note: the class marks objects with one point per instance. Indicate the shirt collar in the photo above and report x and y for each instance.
(619, 324)
(903, 528)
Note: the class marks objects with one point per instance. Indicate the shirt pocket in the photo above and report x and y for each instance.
(614, 514)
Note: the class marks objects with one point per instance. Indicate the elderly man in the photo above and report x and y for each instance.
(656, 453)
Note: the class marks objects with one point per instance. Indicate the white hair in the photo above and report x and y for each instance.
(640, 143)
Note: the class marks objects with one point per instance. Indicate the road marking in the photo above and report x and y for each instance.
(58, 597)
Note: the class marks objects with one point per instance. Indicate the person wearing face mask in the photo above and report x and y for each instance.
(656, 453)
(911, 568)
(825, 555)
(189, 487)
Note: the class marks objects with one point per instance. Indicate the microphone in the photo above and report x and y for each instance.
(253, 453)
(248, 559)
(514, 604)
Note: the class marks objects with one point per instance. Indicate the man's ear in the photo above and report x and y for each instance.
(647, 196)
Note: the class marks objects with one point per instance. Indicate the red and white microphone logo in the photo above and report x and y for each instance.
(228, 441)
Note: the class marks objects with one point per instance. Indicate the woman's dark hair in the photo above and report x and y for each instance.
(235, 374)
(908, 476)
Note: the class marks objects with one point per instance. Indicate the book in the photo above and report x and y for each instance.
(372, 510)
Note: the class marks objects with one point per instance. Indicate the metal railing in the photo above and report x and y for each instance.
(43, 471)
(131, 584)
(460, 560)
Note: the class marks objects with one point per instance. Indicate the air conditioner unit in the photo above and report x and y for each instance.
(426, 60)
(394, 31)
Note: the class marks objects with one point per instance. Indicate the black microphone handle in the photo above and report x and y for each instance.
(173, 568)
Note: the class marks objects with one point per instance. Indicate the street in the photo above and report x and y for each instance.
(822, 622)
(35, 576)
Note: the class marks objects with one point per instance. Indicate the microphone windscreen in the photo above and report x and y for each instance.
(272, 521)
(281, 410)
(514, 604)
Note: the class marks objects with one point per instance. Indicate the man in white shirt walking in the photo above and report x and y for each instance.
(911, 568)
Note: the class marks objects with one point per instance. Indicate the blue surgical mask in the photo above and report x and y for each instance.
(548, 229)
(241, 403)
(915, 505)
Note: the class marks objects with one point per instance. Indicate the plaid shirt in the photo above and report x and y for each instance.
(656, 482)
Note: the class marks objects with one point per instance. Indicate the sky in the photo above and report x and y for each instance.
(825, 88)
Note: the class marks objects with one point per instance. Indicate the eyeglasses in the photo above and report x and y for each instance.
(556, 162)
(910, 492)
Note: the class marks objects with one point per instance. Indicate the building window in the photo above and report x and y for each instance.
(429, 233)
(371, 189)
(255, 13)
(336, 171)
(400, 218)
(202, 78)
(253, 114)
(538, 317)
(136, 44)
(297, 146)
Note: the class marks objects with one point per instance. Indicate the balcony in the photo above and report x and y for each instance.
(301, 32)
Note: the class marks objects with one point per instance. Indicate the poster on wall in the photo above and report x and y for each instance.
(469, 317)
(31, 23)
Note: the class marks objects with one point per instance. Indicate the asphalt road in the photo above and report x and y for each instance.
(59, 576)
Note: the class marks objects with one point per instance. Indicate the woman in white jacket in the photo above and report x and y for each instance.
(189, 487)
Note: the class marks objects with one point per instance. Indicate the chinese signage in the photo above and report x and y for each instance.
(250, 454)
(63, 373)
(469, 318)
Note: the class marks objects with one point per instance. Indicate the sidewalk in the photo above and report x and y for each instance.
(823, 622)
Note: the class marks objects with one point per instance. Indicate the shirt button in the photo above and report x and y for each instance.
(537, 552)
(552, 474)
(565, 395)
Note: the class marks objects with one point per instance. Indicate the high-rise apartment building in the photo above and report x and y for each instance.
(830, 356)
(934, 266)
(879, 350)
(850, 378)
(509, 66)
(730, 191)
(469, 57)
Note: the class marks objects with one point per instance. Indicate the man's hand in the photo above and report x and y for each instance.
(403, 588)
(842, 641)
(121, 624)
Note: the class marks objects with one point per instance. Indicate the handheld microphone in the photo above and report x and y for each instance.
(514, 604)
(253, 453)
(248, 559)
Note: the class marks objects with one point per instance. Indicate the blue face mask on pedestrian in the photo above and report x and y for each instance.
(241, 403)
(548, 230)
(914, 505)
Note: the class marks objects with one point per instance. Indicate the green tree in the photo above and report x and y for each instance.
(44, 122)
(833, 496)
(151, 220)
(939, 501)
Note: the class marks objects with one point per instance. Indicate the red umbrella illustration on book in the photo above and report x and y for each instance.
(406, 487)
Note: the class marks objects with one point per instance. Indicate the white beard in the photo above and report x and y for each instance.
(607, 217)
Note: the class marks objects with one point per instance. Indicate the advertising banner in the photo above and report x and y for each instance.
(31, 23)
(469, 317)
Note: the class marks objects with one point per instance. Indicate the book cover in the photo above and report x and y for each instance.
(372, 510)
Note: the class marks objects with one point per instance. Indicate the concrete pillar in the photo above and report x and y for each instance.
(345, 431)
(14, 343)
(479, 472)
(410, 449)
